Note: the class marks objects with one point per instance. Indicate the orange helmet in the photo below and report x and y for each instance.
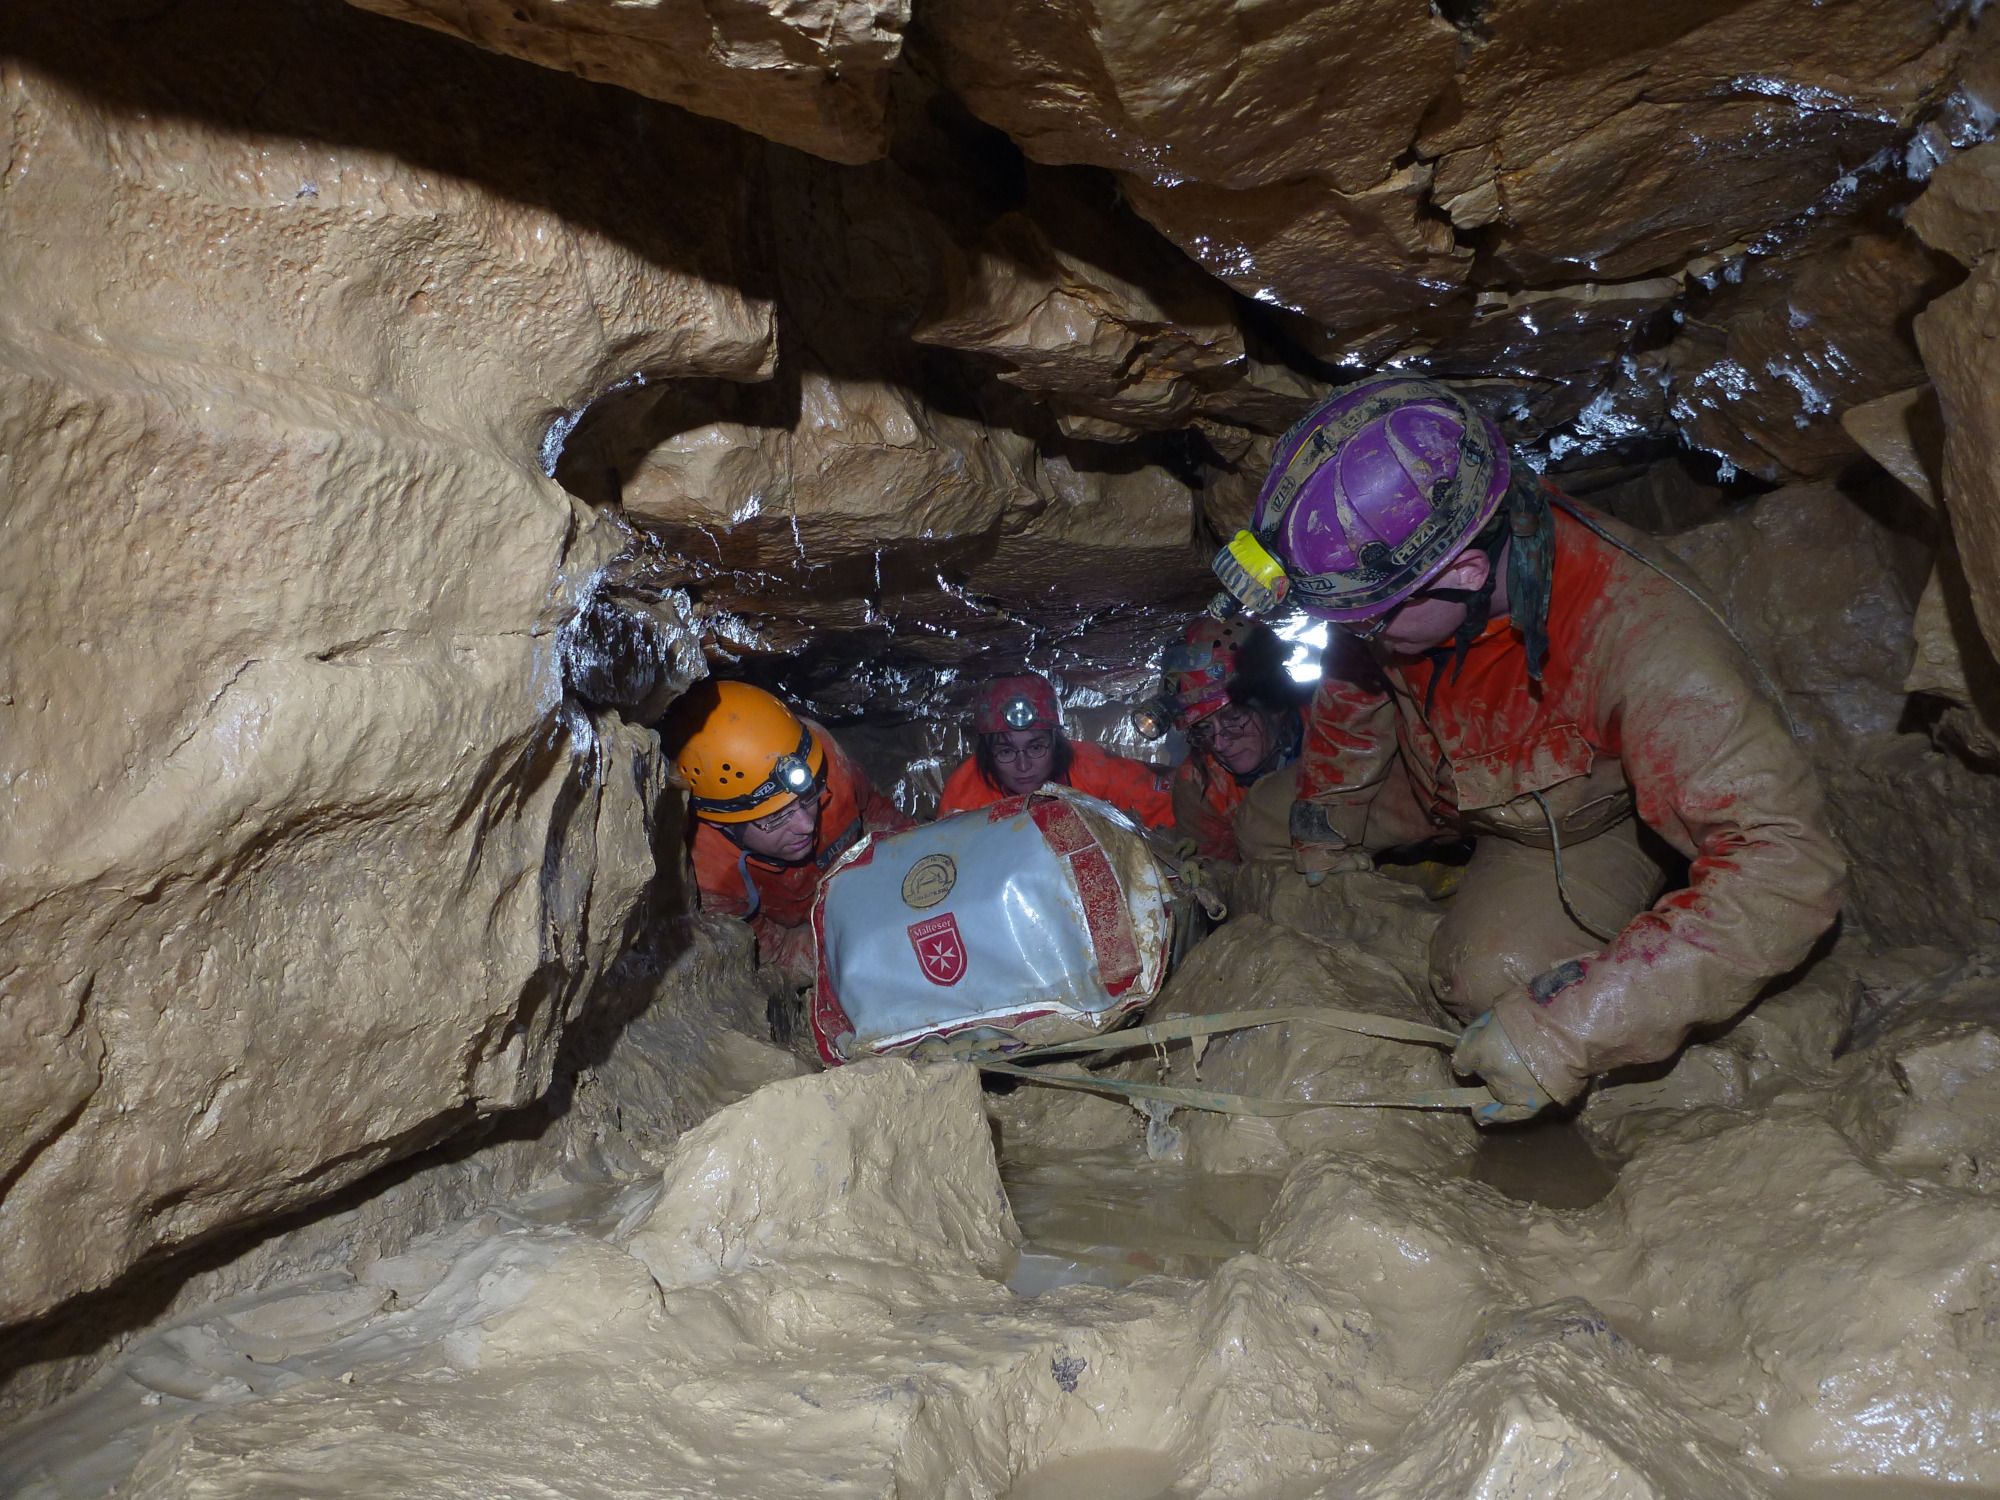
(742, 753)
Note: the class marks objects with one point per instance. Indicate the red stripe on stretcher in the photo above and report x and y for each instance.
(1005, 808)
(1104, 910)
(829, 1016)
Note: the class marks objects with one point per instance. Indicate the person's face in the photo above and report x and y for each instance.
(1239, 737)
(788, 834)
(1024, 758)
(1423, 622)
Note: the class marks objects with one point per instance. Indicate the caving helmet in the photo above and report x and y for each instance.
(1199, 668)
(1024, 702)
(1369, 497)
(742, 753)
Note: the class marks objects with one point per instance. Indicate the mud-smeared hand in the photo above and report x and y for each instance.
(1346, 863)
(1318, 849)
(1485, 1050)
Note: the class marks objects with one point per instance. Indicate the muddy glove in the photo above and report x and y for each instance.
(1318, 850)
(1197, 876)
(1486, 1050)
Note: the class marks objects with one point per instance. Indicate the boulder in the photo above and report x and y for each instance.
(311, 854)
(1764, 371)
(1573, 133)
(1959, 334)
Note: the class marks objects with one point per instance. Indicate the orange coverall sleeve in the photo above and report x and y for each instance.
(965, 789)
(1715, 772)
(1132, 785)
(788, 950)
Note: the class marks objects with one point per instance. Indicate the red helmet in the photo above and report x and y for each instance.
(1024, 702)
(1199, 668)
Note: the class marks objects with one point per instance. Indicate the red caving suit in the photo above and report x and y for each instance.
(1646, 706)
(777, 899)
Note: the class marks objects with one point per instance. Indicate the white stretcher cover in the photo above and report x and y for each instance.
(1038, 919)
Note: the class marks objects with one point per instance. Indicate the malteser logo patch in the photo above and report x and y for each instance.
(930, 880)
(940, 949)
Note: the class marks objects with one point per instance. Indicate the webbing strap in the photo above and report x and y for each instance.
(1185, 1028)
(1217, 1102)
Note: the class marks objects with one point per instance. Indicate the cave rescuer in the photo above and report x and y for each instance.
(1019, 746)
(775, 803)
(1232, 698)
(1550, 689)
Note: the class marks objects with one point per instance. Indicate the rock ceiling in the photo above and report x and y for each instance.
(1152, 231)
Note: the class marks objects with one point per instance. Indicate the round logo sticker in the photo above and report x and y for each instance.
(930, 880)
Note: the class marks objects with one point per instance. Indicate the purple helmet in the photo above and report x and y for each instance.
(1375, 490)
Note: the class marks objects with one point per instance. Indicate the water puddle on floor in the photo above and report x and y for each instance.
(1109, 1217)
(1551, 1163)
(1113, 1474)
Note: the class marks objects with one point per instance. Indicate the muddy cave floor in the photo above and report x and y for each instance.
(1771, 1270)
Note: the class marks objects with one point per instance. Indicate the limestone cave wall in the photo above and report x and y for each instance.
(393, 422)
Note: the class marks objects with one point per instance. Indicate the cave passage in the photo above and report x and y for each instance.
(423, 427)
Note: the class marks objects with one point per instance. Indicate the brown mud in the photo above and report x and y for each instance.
(1772, 1270)
(1551, 1163)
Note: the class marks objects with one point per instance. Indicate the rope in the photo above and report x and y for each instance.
(1190, 1028)
(1562, 885)
(1216, 1102)
(1182, 1028)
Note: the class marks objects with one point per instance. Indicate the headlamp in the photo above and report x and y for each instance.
(1018, 714)
(792, 773)
(1152, 719)
(1254, 578)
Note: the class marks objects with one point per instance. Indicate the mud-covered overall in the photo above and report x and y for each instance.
(1647, 714)
(1206, 798)
(776, 899)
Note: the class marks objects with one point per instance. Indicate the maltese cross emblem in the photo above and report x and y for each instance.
(940, 949)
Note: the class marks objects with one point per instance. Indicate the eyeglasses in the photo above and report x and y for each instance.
(1227, 722)
(1006, 752)
(784, 816)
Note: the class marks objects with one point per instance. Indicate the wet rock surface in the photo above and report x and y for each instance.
(307, 860)
(396, 425)
(807, 1296)
(1826, 589)
(812, 76)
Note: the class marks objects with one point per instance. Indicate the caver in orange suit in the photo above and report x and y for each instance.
(1219, 663)
(776, 899)
(1646, 714)
(745, 757)
(1025, 703)
(1131, 785)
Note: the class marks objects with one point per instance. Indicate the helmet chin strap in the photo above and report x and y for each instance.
(1530, 565)
(1478, 611)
